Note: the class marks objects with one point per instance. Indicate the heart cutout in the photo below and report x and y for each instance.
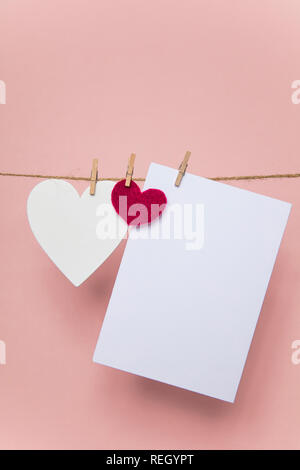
(137, 207)
(69, 227)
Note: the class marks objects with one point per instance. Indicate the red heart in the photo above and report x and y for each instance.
(137, 207)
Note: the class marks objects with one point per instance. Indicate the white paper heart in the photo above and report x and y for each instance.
(65, 225)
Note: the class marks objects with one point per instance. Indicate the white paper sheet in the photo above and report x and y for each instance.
(184, 311)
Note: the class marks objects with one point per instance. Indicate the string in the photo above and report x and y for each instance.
(214, 178)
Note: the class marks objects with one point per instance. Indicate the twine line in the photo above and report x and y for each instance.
(215, 178)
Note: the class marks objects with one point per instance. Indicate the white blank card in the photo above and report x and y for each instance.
(184, 307)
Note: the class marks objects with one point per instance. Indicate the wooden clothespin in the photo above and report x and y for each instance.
(182, 168)
(94, 177)
(129, 171)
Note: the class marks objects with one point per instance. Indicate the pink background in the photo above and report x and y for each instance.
(103, 79)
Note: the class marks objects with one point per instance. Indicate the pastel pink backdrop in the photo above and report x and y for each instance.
(103, 79)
